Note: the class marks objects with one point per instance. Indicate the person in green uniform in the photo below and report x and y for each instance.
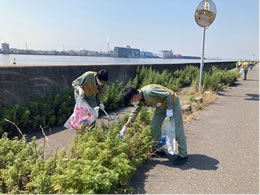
(245, 69)
(91, 85)
(251, 64)
(238, 65)
(167, 104)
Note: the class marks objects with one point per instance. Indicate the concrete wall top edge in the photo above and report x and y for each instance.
(83, 65)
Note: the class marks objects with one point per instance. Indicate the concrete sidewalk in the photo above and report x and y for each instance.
(223, 146)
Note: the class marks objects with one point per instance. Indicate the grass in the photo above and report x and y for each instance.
(188, 95)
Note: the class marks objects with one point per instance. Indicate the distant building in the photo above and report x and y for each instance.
(178, 55)
(83, 52)
(5, 48)
(126, 52)
(92, 53)
(166, 54)
(146, 54)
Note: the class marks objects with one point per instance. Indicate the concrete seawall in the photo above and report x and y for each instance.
(19, 83)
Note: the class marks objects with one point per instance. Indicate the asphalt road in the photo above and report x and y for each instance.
(223, 147)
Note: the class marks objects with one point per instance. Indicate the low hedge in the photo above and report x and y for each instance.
(51, 110)
(54, 109)
(98, 161)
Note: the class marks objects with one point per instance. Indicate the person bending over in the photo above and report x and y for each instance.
(166, 104)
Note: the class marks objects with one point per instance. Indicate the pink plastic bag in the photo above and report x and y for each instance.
(83, 114)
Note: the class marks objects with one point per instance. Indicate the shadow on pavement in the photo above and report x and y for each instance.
(251, 80)
(235, 84)
(195, 161)
(200, 162)
(254, 97)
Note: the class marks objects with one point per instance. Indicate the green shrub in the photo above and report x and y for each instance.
(214, 78)
(55, 109)
(17, 159)
(51, 110)
(113, 98)
(98, 161)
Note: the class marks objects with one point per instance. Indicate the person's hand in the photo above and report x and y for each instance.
(122, 132)
(81, 91)
(101, 106)
(169, 113)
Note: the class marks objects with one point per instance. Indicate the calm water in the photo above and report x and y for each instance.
(79, 60)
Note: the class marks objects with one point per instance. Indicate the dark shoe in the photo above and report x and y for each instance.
(158, 153)
(180, 161)
(161, 153)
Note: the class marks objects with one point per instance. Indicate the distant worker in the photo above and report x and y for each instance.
(251, 65)
(14, 62)
(238, 65)
(167, 104)
(244, 69)
(91, 85)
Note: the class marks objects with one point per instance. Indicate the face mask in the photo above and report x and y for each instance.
(99, 83)
(135, 103)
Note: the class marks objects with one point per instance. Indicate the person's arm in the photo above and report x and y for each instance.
(134, 114)
(81, 80)
(131, 119)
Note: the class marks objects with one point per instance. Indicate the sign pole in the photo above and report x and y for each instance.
(202, 59)
(205, 14)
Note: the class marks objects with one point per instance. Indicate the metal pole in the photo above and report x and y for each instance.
(202, 59)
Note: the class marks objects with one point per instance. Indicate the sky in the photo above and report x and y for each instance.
(149, 25)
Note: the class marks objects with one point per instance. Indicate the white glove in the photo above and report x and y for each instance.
(81, 91)
(101, 106)
(122, 132)
(169, 113)
(97, 110)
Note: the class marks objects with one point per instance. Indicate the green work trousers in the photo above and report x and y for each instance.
(156, 123)
(245, 73)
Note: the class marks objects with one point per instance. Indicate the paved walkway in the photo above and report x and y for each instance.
(223, 146)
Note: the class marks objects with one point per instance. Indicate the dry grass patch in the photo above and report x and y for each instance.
(189, 95)
(188, 117)
(209, 97)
